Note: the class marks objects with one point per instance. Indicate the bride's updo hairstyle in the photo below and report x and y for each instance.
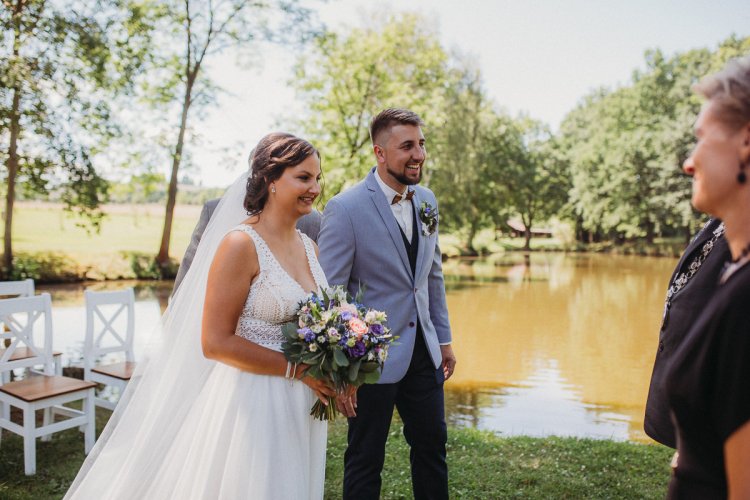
(274, 153)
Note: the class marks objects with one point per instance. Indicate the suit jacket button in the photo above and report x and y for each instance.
(661, 345)
(411, 323)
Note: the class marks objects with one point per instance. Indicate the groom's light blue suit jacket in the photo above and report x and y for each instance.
(360, 242)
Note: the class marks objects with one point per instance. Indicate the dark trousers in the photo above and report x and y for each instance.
(419, 400)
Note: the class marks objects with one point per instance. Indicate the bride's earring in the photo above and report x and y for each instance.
(273, 189)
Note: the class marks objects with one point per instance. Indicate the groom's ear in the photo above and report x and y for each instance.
(379, 152)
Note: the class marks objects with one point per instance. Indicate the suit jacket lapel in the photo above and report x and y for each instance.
(376, 195)
(416, 203)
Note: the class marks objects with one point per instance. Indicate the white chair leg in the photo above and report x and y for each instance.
(90, 410)
(29, 442)
(47, 420)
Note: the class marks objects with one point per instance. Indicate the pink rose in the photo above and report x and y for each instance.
(358, 326)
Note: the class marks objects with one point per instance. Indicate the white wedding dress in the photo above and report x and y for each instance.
(243, 436)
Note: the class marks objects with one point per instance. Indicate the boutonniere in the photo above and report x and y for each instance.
(428, 215)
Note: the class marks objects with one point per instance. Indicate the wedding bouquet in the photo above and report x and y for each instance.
(340, 339)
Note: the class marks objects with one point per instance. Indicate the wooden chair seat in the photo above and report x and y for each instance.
(36, 388)
(25, 353)
(123, 370)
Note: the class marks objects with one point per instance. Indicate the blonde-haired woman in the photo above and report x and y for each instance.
(708, 383)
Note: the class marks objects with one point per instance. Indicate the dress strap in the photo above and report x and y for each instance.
(260, 245)
(312, 260)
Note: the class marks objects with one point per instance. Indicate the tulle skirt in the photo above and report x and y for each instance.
(246, 436)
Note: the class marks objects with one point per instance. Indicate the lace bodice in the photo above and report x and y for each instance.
(274, 295)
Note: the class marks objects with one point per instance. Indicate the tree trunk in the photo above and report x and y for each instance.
(163, 256)
(470, 250)
(527, 243)
(650, 232)
(527, 232)
(15, 130)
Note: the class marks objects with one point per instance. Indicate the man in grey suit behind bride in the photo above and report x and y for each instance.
(308, 224)
(382, 234)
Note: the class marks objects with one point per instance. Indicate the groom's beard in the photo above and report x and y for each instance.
(406, 181)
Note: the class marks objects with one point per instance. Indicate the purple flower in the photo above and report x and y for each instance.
(358, 350)
(309, 334)
(346, 315)
(376, 329)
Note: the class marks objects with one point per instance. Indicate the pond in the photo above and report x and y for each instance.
(547, 343)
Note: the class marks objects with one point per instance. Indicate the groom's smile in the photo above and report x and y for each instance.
(401, 156)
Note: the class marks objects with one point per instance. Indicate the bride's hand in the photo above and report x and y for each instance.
(346, 401)
(322, 389)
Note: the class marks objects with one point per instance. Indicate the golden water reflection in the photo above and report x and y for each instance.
(554, 343)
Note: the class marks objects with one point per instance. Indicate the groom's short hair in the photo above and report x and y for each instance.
(390, 117)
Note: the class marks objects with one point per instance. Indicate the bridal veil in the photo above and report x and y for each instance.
(168, 380)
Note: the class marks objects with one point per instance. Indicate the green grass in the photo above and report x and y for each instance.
(47, 228)
(44, 233)
(481, 465)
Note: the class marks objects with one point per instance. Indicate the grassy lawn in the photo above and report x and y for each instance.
(41, 227)
(482, 465)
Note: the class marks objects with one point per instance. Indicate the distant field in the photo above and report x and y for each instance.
(46, 227)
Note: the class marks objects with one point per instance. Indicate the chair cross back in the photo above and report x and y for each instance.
(123, 341)
(21, 333)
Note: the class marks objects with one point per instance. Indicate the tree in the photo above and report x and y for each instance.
(533, 181)
(205, 28)
(626, 147)
(59, 63)
(460, 169)
(349, 78)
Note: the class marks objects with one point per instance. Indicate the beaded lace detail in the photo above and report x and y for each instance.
(274, 295)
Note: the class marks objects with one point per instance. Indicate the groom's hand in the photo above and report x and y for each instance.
(449, 360)
(346, 402)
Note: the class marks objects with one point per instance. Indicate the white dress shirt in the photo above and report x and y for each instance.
(403, 211)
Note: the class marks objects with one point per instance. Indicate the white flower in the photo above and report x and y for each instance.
(425, 229)
(370, 356)
(321, 339)
(382, 355)
(333, 334)
(325, 316)
(313, 347)
(339, 294)
(316, 328)
(370, 317)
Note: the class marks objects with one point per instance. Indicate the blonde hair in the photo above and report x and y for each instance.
(729, 90)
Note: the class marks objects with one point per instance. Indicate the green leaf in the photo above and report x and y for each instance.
(340, 358)
(354, 370)
(290, 330)
(371, 377)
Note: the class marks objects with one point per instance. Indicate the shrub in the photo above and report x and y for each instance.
(46, 267)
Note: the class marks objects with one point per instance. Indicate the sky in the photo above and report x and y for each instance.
(537, 57)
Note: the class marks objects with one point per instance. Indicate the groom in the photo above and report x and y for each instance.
(382, 234)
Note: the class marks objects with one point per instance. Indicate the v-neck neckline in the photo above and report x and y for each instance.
(283, 270)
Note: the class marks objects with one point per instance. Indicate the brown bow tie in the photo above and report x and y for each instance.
(398, 197)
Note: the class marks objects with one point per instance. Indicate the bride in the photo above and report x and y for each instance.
(215, 411)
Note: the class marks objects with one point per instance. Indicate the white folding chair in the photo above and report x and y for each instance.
(110, 325)
(47, 392)
(23, 288)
